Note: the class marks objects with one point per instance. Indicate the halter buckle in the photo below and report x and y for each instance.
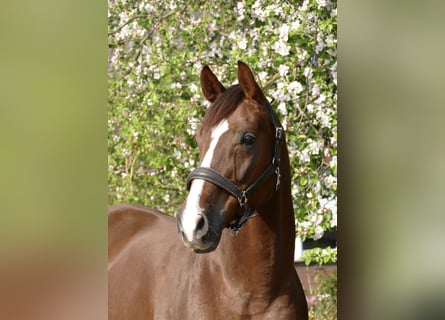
(243, 199)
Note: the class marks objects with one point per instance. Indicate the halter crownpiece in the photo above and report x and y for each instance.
(213, 176)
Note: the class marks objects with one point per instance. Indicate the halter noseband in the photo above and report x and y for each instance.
(219, 180)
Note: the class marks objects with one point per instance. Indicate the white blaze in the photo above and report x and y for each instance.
(192, 211)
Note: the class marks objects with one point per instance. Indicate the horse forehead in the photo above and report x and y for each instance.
(246, 117)
(218, 130)
(213, 136)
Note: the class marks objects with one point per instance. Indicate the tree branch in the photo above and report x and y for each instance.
(126, 23)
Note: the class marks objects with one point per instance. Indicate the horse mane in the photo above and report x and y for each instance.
(223, 106)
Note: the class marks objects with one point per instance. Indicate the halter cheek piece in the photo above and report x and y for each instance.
(219, 180)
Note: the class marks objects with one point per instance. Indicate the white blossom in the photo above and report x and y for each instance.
(333, 162)
(307, 72)
(282, 108)
(323, 117)
(281, 48)
(314, 146)
(316, 219)
(283, 70)
(283, 32)
(242, 44)
(333, 222)
(315, 90)
(304, 5)
(304, 156)
(176, 85)
(262, 76)
(294, 88)
(295, 25)
(333, 70)
(323, 3)
(329, 181)
(330, 40)
(259, 12)
(240, 11)
(318, 233)
(193, 88)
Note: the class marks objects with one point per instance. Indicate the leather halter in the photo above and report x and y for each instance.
(219, 180)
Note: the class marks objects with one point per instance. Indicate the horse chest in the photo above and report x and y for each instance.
(200, 298)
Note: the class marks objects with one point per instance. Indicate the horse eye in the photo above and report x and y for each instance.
(248, 139)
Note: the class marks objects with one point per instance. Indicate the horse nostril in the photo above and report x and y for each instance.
(201, 229)
(201, 223)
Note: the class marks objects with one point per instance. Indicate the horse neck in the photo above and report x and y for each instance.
(263, 249)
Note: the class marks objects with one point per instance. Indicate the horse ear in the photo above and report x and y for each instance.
(248, 84)
(211, 87)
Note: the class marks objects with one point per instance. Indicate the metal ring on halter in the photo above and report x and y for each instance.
(243, 199)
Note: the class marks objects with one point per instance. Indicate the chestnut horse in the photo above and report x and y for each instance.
(235, 260)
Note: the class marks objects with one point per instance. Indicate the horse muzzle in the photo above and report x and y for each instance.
(198, 234)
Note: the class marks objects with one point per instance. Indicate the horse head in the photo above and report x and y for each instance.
(240, 144)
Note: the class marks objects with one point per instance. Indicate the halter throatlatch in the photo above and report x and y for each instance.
(213, 176)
